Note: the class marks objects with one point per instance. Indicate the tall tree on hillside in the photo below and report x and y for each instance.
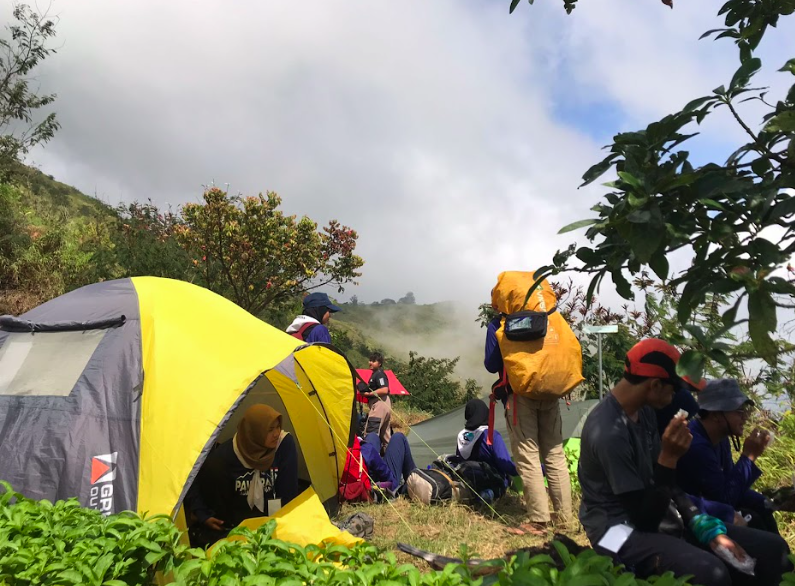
(408, 299)
(735, 217)
(246, 249)
(22, 48)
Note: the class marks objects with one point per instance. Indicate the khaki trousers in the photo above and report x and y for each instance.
(535, 429)
(379, 420)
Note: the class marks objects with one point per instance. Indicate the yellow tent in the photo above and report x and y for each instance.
(135, 380)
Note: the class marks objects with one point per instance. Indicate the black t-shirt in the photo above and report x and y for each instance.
(617, 456)
(683, 399)
(221, 487)
(378, 380)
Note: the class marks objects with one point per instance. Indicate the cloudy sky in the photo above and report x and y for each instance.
(449, 133)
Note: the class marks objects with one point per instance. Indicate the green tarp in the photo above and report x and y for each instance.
(437, 436)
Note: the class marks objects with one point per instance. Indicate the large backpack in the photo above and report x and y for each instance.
(550, 366)
(355, 481)
(432, 486)
(474, 478)
(304, 331)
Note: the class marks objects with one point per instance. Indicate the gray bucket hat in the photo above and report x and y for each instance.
(722, 394)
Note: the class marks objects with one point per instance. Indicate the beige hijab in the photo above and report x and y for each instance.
(249, 441)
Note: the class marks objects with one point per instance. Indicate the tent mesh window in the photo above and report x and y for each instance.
(45, 363)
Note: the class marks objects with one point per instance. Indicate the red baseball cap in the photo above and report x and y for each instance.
(653, 358)
(697, 387)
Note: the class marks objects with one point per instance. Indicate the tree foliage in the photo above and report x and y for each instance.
(246, 249)
(432, 383)
(734, 217)
(24, 47)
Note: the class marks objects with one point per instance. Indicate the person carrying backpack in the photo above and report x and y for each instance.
(311, 325)
(531, 345)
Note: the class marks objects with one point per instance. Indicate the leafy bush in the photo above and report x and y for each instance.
(61, 544)
(64, 544)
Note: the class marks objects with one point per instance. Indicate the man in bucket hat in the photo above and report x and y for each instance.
(708, 469)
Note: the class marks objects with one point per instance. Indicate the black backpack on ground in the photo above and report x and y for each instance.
(474, 478)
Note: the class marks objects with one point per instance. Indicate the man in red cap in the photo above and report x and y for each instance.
(627, 474)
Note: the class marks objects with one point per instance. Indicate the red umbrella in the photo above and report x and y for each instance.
(395, 387)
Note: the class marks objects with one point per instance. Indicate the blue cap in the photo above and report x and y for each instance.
(319, 300)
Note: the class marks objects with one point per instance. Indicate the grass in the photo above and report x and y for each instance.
(404, 415)
(444, 529)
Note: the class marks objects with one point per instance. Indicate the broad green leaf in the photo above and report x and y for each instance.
(598, 170)
(744, 73)
(659, 264)
(691, 364)
(784, 122)
(761, 321)
(782, 209)
(577, 225)
(630, 179)
(622, 285)
(514, 4)
(789, 66)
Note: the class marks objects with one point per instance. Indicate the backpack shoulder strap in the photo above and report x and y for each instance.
(305, 330)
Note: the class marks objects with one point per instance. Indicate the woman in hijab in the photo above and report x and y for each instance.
(253, 474)
(473, 441)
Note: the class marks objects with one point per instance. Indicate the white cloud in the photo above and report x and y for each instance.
(428, 126)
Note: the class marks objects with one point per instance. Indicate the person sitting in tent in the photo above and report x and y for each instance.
(379, 418)
(473, 442)
(311, 325)
(708, 469)
(628, 479)
(251, 475)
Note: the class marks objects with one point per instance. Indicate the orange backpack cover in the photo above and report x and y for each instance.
(547, 368)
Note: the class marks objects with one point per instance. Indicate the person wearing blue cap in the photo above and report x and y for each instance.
(708, 469)
(311, 325)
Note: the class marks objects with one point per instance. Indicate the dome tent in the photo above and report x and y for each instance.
(115, 393)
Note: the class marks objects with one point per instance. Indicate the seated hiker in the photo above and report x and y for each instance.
(683, 399)
(627, 474)
(708, 469)
(473, 441)
(311, 325)
(390, 471)
(379, 418)
(251, 475)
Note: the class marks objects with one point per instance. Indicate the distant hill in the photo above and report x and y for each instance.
(440, 330)
(53, 197)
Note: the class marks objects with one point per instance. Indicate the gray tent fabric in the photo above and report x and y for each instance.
(438, 434)
(79, 390)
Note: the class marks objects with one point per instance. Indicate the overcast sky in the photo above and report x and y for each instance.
(451, 135)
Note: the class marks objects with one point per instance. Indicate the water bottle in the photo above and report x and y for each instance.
(487, 495)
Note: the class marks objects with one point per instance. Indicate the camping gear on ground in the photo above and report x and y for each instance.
(437, 435)
(355, 481)
(480, 567)
(359, 525)
(478, 482)
(115, 393)
(432, 487)
(548, 367)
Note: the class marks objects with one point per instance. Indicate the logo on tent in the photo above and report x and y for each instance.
(103, 468)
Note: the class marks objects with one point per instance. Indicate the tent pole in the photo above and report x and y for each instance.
(599, 339)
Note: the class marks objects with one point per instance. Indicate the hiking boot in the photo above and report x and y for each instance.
(359, 525)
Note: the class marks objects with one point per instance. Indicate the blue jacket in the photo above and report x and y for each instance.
(495, 455)
(708, 471)
(376, 466)
(493, 360)
(319, 333)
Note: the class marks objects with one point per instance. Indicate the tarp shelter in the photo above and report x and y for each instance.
(438, 434)
(115, 393)
(395, 386)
